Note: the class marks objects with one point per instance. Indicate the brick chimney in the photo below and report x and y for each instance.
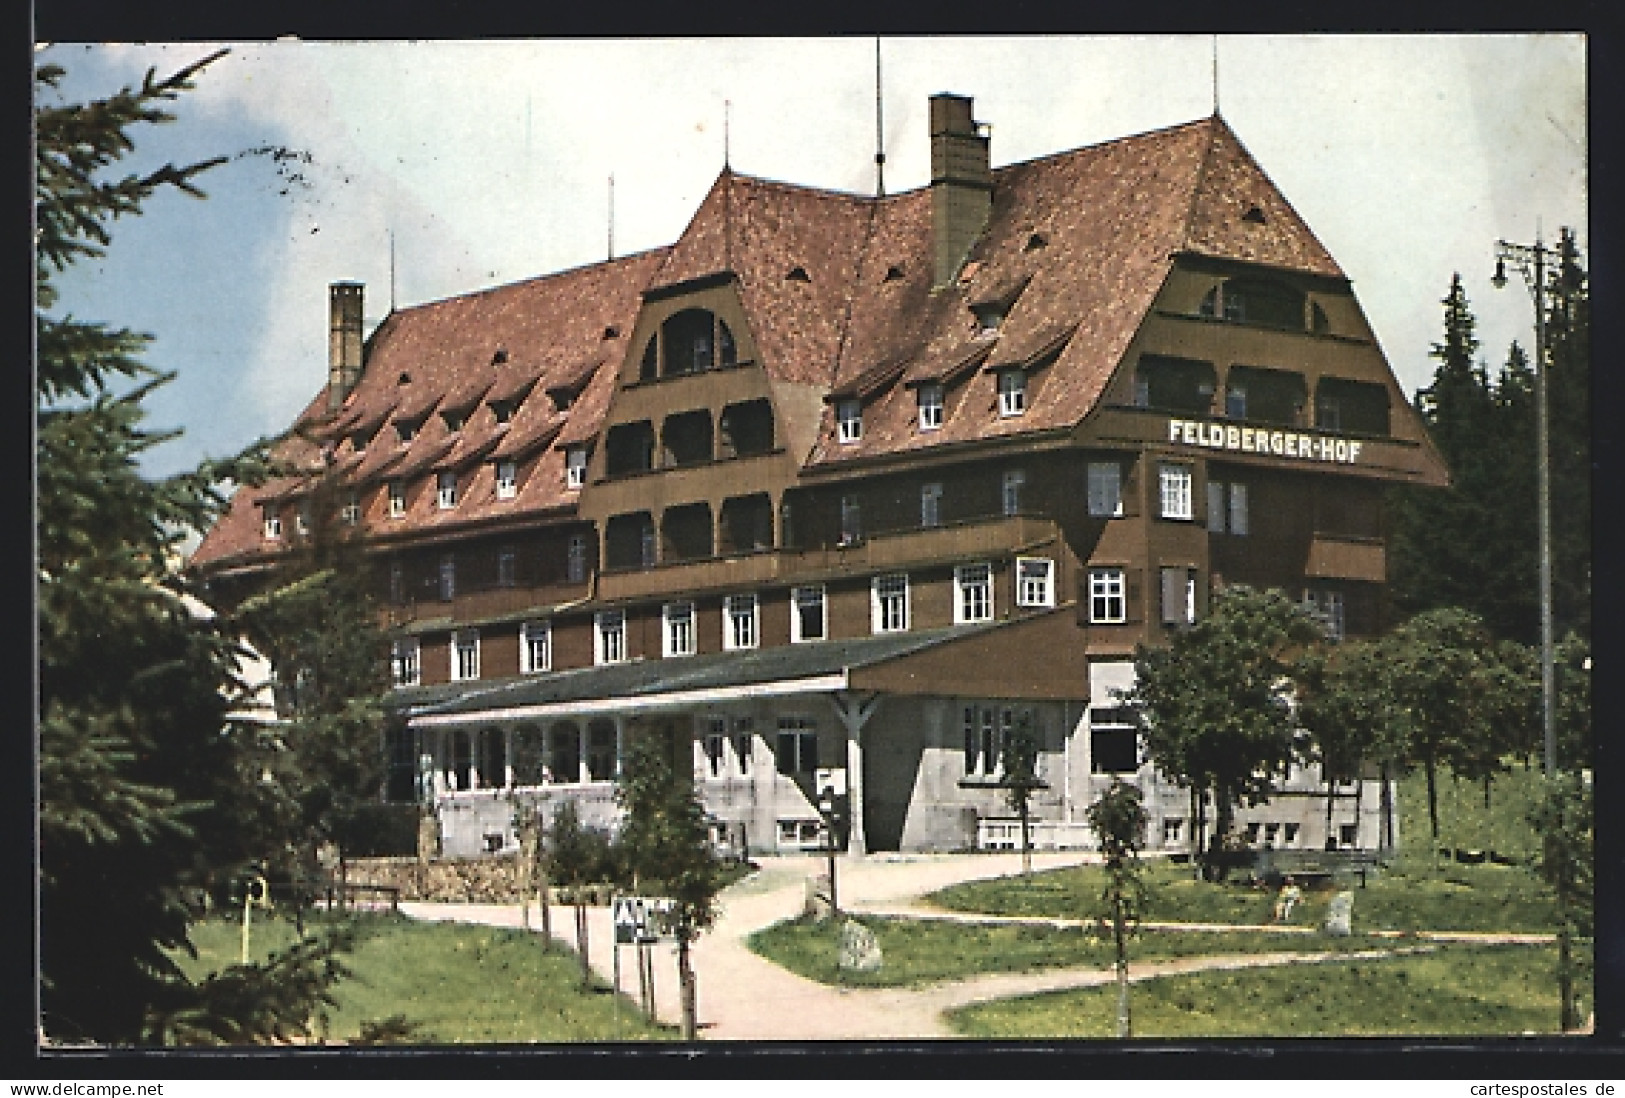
(961, 183)
(343, 341)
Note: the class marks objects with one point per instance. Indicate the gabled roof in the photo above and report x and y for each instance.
(837, 292)
(1077, 245)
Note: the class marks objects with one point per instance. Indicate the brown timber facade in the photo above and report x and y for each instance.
(835, 489)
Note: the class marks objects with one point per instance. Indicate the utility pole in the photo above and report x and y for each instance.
(1531, 262)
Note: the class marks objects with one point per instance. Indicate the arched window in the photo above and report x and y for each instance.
(693, 341)
(1266, 302)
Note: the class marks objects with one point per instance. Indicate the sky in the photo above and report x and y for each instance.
(479, 163)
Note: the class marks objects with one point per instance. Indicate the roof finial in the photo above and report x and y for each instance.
(880, 130)
(1215, 76)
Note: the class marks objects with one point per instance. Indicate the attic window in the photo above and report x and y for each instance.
(502, 410)
(798, 274)
(404, 379)
(988, 319)
(611, 332)
(407, 429)
(893, 274)
(1253, 214)
(500, 357)
(1036, 241)
(454, 420)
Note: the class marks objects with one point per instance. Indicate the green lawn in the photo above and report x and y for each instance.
(455, 984)
(1457, 991)
(923, 951)
(1414, 896)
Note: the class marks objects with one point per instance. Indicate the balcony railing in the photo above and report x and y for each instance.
(491, 601)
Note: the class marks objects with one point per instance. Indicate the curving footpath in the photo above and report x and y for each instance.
(743, 997)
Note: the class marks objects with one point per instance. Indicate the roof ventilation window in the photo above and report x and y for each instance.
(611, 332)
(798, 274)
(893, 274)
(404, 379)
(500, 356)
(1253, 214)
(1035, 241)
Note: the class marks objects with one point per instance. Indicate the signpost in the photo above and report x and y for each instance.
(639, 921)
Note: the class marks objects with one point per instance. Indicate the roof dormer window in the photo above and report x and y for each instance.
(446, 490)
(930, 398)
(499, 356)
(454, 420)
(502, 410)
(893, 274)
(988, 319)
(1012, 392)
(849, 420)
(407, 429)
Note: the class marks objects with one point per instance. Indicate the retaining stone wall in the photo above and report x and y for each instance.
(486, 880)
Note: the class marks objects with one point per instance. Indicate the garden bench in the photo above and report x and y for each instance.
(1314, 866)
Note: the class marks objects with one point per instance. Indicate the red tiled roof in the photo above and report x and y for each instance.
(837, 291)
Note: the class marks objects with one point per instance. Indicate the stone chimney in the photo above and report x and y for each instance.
(961, 183)
(343, 341)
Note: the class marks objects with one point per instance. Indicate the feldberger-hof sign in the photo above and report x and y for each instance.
(1260, 440)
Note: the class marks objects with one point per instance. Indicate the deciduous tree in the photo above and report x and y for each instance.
(1119, 820)
(1214, 705)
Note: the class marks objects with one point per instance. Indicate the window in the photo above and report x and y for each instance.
(536, 647)
(1226, 508)
(973, 593)
(1114, 741)
(647, 545)
(1235, 399)
(849, 420)
(404, 660)
(575, 467)
(507, 479)
(397, 499)
(1175, 482)
(1010, 491)
(739, 622)
(502, 410)
(808, 621)
(575, 560)
(301, 519)
(930, 398)
(272, 523)
(1178, 596)
(465, 655)
(987, 730)
(716, 743)
(397, 582)
(930, 505)
(1012, 392)
(889, 603)
(744, 737)
(1035, 581)
(507, 567)
(1105, 489)
(851, 521)
(679, 631)
(798, 745)
(448, 577)
(446, 490)
(1326, 606)
(609, 637)
(406, 430)
(351, 511)
(1107, 603)
(1172, 829)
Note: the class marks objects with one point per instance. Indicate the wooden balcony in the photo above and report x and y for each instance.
(486, 603)
(987, 537)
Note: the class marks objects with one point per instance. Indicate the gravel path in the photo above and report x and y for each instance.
(743, 997)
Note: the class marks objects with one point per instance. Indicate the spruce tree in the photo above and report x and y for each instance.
(141, 765)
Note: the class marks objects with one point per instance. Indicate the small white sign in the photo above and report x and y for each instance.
(640, 918)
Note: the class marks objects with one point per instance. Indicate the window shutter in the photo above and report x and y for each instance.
(1131, 489)
(1133, 595)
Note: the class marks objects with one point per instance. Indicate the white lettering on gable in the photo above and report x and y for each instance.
(1249, 440)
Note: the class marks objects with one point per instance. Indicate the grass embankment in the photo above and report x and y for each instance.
(917, 952)
(1456, 991)
(1415, 895)
(454, 984)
